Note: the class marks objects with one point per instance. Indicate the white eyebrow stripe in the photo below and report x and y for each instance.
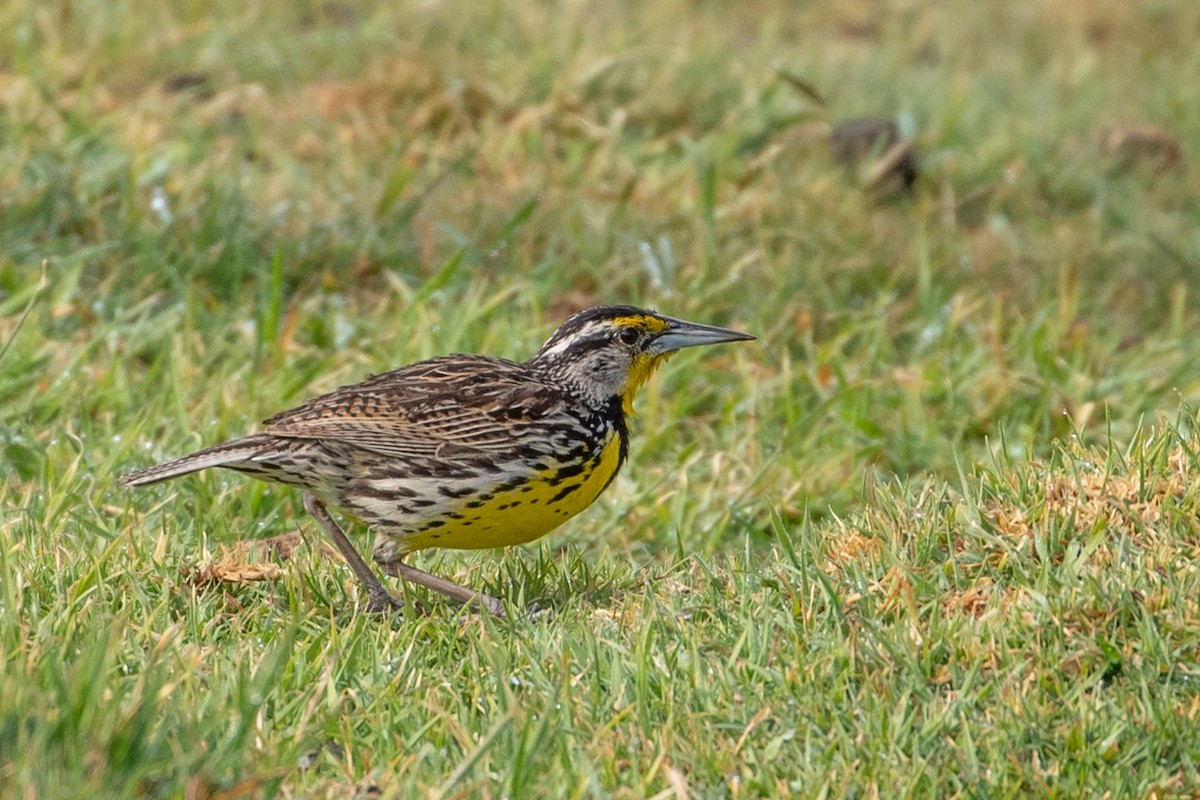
(591, 329)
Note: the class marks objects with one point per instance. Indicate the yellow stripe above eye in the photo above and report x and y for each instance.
(644, 321)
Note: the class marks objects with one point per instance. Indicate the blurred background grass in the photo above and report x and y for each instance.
(210, 211)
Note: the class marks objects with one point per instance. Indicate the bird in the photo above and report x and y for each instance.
(462, 451)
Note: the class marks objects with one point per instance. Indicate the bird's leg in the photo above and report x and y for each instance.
(380, 600)
(449, 588)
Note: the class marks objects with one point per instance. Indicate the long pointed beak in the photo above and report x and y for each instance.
(682, 333)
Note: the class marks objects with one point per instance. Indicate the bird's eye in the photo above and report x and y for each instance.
(629, 335)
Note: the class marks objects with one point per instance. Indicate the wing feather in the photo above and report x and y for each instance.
(443, 408)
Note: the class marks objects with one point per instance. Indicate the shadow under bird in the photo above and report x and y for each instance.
(463, 451)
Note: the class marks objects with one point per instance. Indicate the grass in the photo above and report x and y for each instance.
(934, 535)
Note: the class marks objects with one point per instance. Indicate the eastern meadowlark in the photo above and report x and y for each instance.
(463, 451)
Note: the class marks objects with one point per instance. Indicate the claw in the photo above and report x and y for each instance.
(383, 603)
(536, 612)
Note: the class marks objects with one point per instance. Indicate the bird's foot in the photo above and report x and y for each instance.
(481, 603)
(462, 594)
(536, 612)
(383, 603)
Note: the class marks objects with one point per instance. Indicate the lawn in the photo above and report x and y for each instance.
(934, 534)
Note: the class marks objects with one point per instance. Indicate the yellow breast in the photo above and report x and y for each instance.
(524, 513)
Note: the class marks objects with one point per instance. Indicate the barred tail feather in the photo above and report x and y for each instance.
(221, 455)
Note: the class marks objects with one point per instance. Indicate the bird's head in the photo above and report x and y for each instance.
(610, 351)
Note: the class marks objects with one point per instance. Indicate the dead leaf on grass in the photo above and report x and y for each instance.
(873, 145)
(248, 561)
(1137, 144)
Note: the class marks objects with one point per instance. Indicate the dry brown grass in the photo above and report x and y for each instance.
(1139, 497)
(250, 561)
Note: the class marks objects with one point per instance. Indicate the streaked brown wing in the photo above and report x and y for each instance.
(442, 408)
